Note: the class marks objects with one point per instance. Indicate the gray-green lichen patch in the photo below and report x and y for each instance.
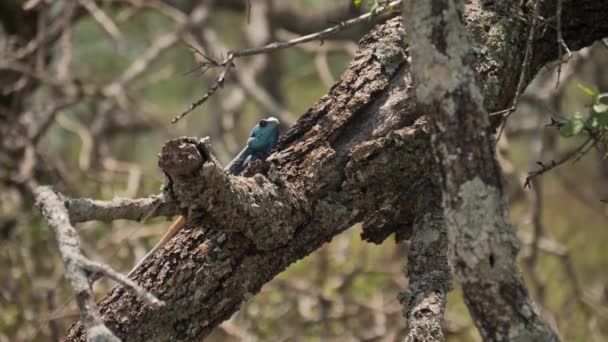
(480, 233)
(495, 36)
(331, 213)
(439, 71)
(389, 50)
(267, 209)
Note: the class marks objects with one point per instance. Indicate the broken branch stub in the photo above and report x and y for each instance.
(264, 212)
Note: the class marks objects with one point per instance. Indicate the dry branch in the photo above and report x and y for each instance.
(86, 209)
(574, 154)
(525, 70)
(228, 63)
(78, 268)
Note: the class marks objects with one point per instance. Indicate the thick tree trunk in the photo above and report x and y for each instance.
(361, 154)
(483, 246)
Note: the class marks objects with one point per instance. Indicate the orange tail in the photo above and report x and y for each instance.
(178, 224)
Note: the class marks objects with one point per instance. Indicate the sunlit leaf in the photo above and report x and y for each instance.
(572, 127)
(357, 3)
(592, 122)
(600, 108)
(602, 118)
(588, 91)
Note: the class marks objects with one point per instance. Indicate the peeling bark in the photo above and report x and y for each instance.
(362, 153)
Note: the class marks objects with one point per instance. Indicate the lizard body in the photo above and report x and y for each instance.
(263, 138)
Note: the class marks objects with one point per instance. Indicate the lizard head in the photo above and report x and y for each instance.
(265, 135)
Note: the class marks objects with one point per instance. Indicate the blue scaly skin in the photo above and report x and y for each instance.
(263, 138)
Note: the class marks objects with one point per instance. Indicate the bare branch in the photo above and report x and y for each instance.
(524, 70)
(218, 83)
(85, 209)
(228, 62)
(314, 36)
(575, 154)
(561, 44)
(52, 208)
(246, 79)
(105, 22)
(80, 270)
(99, 268)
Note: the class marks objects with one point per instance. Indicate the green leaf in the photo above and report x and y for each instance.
(602, 118)
(573, 126)
(357, 3)
(600, 108)
(592, 122)
(588, 91)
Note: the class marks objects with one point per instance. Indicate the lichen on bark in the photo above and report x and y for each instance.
(481, 234)
(482, 244)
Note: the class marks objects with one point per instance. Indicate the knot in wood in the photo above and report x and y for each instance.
(182, 157)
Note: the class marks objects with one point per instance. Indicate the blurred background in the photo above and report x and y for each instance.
(87, 92)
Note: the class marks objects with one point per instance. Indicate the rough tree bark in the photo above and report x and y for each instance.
(482, 244)
(429, 277)
(361, 154)
(321, 180)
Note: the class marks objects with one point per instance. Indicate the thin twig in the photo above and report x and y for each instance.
(246, 78)
(105, 22)
(96, 267)
(228, 63)
(524, 72)
(219, 82)
(566, 157)
(561, 44)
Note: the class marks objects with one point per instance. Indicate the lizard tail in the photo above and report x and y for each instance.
(178, 224)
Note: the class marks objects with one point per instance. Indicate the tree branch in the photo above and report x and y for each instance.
(291, 17)
(217, 261)
(347, 155)
(79, 269)
(227, 63)
(429, 279)
(86, 209)
(482, 245)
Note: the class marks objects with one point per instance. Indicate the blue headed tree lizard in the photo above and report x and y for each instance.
(263, 138)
